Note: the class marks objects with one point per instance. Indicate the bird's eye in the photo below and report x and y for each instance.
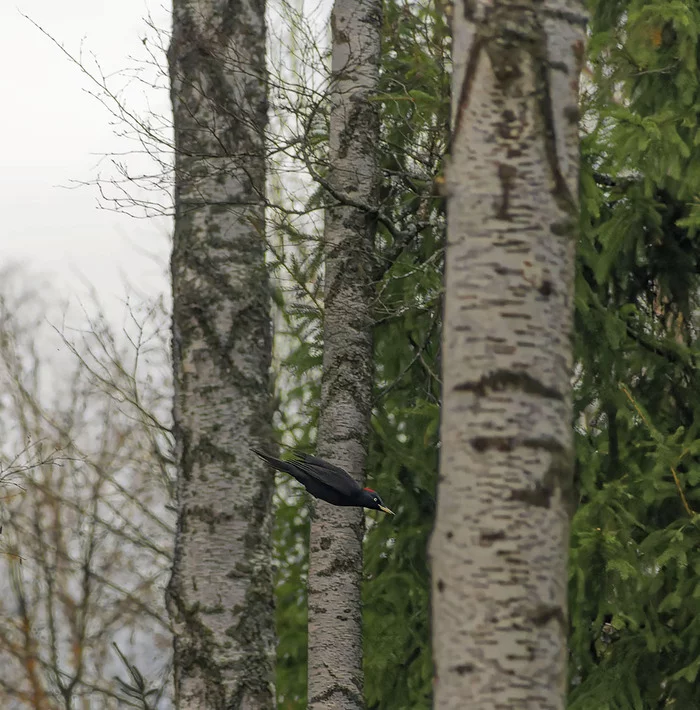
(376, 500)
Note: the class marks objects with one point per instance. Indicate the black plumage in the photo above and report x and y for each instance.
(326, 481)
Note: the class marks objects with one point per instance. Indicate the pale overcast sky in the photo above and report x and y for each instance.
(53, 133)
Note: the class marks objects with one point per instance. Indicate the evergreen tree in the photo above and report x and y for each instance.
(407, 280)
(634, 585)
(408, 316)
(407, 276)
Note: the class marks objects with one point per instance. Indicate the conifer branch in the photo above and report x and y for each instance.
(643, 417)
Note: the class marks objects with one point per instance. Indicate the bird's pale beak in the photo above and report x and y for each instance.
(386, 510)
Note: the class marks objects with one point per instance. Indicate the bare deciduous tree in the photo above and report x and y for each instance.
(86, 538)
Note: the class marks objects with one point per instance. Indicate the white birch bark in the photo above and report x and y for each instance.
(335, 565)
(499, 547)
(220, 595)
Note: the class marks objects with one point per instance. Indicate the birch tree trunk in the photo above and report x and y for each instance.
(220, 594)
(335, 563)
(499, 547)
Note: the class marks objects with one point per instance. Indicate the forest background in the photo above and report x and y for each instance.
(87, 528)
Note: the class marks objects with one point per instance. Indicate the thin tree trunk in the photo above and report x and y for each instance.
(335, 564)
(220, 596)
(499, 546)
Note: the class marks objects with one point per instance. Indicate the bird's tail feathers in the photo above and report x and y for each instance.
(272, 461)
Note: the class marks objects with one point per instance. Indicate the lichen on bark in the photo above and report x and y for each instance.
(220, 596)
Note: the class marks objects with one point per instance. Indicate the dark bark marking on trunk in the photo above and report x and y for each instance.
(506, 174)
(542, 615)
(539, 495)
(467, 82)
(463, 668)
(512, 380)
(561, 193)
(486, 539)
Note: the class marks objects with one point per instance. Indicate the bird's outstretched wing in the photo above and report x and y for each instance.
(324, 472)
(316, 475)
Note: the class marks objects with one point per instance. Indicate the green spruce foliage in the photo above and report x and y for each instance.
(414, 95)
(414, 104)
(635, 547)
(634, 637)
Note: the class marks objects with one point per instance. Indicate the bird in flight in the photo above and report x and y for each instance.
(326, 481)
